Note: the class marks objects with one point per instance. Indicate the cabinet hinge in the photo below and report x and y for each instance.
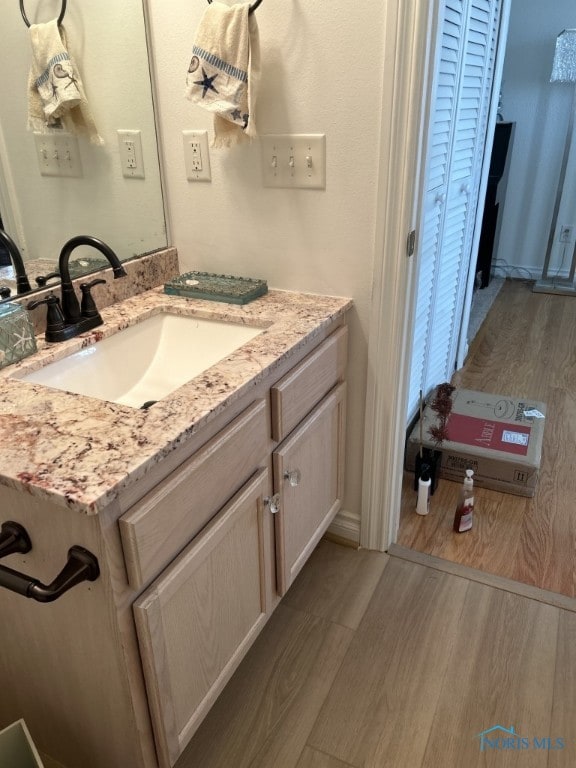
(411, 243)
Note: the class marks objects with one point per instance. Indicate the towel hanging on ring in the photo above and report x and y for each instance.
(225, 70)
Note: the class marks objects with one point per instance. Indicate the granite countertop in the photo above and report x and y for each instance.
(82, 452)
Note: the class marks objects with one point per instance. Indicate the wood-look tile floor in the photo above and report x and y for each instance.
(526, 347)
(373, 661)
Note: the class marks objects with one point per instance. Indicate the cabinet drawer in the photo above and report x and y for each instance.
(198, 620)
(167, 518)
(294, 396)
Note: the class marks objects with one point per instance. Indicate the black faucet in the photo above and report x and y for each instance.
(22, 284)
(70, 304)
(68, 320)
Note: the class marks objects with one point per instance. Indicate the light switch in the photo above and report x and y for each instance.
(294, 160)
(196, 155)
(58, 154)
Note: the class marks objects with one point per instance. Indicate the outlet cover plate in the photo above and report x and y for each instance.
(196, 155)
(131, 158)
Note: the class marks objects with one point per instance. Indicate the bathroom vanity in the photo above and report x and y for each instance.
(201, 510)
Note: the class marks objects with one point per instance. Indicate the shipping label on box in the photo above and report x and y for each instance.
(499, 437)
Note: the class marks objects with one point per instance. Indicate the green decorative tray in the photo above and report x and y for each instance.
(204, 285)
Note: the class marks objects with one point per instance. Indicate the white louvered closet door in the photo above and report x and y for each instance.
(458, 117)
(479, 68)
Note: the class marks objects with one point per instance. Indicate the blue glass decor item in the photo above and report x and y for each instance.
(17, 338)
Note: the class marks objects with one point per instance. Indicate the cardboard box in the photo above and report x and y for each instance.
(17, 749)
(499, 437)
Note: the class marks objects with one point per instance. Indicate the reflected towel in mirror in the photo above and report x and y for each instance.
(56, 96)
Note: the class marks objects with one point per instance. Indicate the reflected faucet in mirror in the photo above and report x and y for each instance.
(41, 280)
(70, 318)
(22, 284)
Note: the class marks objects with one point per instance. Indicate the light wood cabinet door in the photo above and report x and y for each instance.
(156, 528)
(308, 475)
(199, 618)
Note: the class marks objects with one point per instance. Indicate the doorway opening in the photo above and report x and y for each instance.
(524, 346)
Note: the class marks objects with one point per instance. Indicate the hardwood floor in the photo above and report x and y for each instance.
(525, 348)
(374, 661)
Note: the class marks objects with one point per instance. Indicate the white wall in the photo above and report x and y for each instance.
(108, 41)
(322, 72)
(541, 111)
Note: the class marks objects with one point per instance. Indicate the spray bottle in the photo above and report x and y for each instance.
(423, 502)
(465, 508)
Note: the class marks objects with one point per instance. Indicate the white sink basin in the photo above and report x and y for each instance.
(146, 361)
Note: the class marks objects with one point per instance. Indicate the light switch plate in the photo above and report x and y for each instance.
(58, 154)
(294, 160)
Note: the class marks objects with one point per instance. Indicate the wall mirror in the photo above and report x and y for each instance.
(108, 43)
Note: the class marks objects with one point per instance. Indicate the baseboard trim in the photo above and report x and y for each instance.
(490, 580)
(557, 288)
(345, 528)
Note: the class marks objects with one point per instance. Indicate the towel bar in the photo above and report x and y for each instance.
(252, 7)
(81, 565)
(62, 12)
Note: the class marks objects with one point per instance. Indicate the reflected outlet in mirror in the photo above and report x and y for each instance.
(146, 361)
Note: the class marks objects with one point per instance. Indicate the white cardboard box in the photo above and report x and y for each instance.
(17, 749)
(499, 437)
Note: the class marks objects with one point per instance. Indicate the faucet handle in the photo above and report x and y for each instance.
(88, 307)
(54, 318)
(41, 280)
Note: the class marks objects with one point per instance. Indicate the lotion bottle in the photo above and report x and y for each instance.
(423, 502)
(465, 508)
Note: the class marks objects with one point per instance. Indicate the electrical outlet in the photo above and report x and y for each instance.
(196, 155)
(130, 154)
(131, 160)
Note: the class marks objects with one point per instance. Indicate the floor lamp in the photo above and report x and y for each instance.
(563, 71)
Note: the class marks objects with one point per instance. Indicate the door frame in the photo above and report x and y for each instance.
(408, 40)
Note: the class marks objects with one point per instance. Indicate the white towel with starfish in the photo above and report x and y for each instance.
(56, 96)
(225, 69)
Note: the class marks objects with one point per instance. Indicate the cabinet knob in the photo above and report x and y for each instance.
(440, 198)
(273, 503)
(293, 476)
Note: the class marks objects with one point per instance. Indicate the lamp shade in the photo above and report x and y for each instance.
(564, 66)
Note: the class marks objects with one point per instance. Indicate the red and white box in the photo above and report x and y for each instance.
(499, 437)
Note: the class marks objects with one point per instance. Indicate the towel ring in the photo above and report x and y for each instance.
(62, 12)
(252, 7)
